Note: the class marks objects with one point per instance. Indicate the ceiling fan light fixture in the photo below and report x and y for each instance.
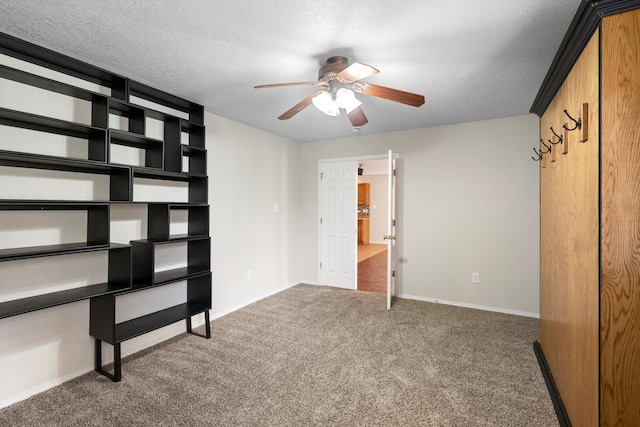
(346, 99)
(325, 103)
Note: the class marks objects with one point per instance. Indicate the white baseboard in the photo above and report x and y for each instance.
(474, 306)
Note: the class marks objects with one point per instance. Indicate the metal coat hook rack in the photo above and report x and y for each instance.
(580, 124)
(559, 141)
(539, 154)
(548, 147)
(577, 123)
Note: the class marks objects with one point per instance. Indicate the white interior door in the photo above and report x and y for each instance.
(390, 237)
(338, 224)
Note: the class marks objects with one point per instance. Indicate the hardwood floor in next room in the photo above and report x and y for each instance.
(372, 268)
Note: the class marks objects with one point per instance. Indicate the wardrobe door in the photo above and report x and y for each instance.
(569, 205)
(620, 322)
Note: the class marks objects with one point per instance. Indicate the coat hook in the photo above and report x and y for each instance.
(538, 154)
(557, 136)
(548, 147)
(578, 123)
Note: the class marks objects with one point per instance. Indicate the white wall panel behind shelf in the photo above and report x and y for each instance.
(31, 277)
(28, 99)
(41, 184)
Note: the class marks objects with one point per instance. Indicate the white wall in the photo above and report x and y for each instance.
(378, 205)
(468, 201)
(251, 175)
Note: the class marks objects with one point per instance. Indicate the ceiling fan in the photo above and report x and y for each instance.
(340, 80)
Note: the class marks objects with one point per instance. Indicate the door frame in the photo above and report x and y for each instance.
(381, 156)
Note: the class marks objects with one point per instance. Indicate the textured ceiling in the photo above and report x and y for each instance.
(471, 59)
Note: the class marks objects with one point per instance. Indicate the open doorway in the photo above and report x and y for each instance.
(338, 223)
(372, 225)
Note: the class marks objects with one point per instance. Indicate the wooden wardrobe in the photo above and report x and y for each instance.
(589, 108)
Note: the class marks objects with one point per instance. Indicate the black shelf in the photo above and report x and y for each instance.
(140, 172)
(150, 322)
(120, 187)
(97, 228)
(18, 205)
(39, 302)
(196, 133)
(102, 311)
(134, 140)
(197, 159)
(154, 153)
(176, 275)
(159, 215)
(197, 262)
(198, 183)
(119, 279)
(96, 137)
(175, 150)
(49, 84)
(153, 321)
(38, 55)
(134, 113)
(48, 250)
(46, 124)
(195, 111)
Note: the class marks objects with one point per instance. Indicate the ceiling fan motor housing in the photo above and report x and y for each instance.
(330, 70)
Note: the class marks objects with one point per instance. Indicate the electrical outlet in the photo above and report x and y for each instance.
(475, 277)
(249, 274)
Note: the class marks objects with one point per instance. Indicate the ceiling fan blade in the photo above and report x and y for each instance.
(299, 106)
(289, 84)
(355, 72)
(396, 95)
(357, 117)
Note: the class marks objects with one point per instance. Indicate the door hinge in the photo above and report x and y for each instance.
(321, 175)
(394, 172)
(320, 265)
(394, 222)
(393, 273)
(320, 220)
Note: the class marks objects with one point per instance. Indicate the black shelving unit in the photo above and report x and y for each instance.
(131, 267)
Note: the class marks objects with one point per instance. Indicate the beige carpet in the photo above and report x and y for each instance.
(318, 356)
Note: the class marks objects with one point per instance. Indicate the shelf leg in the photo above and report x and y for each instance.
(207, 326)
(98, 359)
(117, 362)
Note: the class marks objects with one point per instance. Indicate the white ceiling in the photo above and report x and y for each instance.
(471, 59)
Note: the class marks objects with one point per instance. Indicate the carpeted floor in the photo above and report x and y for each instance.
(319, 356)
